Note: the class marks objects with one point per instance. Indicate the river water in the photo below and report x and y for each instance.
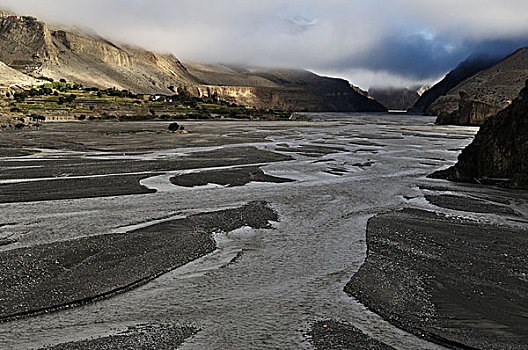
(262, 289)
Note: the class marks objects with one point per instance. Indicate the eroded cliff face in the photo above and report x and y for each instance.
(499, 153)
(94, 61)
(260, 97)
(481, 95)
(468, 112)
(34, 48)
(99, 49)
(25, 41)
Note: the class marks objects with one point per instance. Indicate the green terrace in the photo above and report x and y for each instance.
(60, 98)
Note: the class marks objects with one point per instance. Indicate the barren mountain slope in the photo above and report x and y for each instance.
(464, 70)
(298, 89)
(32, 47)
(485, 93)
(400, 99)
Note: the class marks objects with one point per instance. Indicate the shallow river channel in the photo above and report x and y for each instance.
(261, 289)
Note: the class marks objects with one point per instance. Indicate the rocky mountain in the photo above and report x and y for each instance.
(34, 48)
(499, 153)
(279, 88)
(464, 70)
(482, 95)
(399, 99)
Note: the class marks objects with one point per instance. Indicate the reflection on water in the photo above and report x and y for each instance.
(262, 289)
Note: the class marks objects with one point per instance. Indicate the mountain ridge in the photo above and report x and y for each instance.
(465, 70)
(398, 99)
(89, 59)
(485, 93)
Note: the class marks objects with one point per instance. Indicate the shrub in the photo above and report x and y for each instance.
(199, 115)
(46, 78)
(21, 96)
(174, 127)
(46, 91)
(34, 92)
(70, 98)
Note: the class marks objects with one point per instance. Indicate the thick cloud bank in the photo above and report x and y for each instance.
(368, 42)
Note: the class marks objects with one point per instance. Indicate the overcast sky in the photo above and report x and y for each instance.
(369, 42)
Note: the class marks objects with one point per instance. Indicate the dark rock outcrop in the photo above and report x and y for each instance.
(464, 70)
(499, 153)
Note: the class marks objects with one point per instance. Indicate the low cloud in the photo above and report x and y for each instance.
(409, 41)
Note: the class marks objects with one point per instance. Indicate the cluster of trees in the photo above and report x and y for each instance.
(22, 95)
(187, 100)
(45, 78)
(67, 99)
(63, 86)
(43, 91)
(116, 93)
(200, 108)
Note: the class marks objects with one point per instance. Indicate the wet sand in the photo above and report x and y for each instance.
(89, 187)
(331, 335)
(457, 282)
(71, 176)
(118, 137)
(424, 273)
(159, 337)
(59, 275)
(467, 204)
(68, 164)
(229, 177)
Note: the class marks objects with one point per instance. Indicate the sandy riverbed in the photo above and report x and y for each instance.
(119, 193)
